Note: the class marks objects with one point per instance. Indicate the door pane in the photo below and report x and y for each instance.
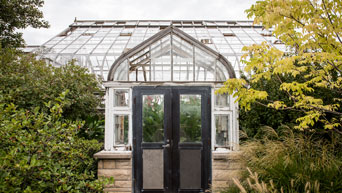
(153, 169)
(190, 169)
(190, 118)
(153, 118)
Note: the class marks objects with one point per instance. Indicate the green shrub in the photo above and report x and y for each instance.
(41, 152)
(29, 83)
(296, 161)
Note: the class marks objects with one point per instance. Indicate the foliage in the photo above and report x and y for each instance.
(255, 185)
(29, 83)
(153, 119)
(295, 161)
(93, 127)
(260, 115)
(190, 120)
(19, 14)
(311, 31)
(41, 152)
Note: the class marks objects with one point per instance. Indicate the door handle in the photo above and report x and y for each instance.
(166, 145)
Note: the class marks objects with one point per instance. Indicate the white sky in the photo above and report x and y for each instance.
(61, 13)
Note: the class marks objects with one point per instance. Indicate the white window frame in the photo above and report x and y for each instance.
(233, 130)
(230, 130)
(110, 112)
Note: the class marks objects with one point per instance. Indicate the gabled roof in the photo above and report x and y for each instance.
(158, 36)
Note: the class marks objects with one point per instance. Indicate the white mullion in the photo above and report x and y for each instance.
(130, 122)
(109, 126)
(213, 126)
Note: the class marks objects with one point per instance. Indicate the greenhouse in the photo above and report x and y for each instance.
(165, 128)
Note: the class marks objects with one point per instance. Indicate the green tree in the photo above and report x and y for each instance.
(19, 14)
(311, 31)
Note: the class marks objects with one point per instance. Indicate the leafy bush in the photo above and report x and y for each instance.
(296, 161)
(41, 152)
(29, 83)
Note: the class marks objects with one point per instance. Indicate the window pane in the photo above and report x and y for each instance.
(222, 126)
(205, 66)
(222, 100)
(190, 118)
(121, 129)
(183, 68)
(153, 118)
(121, 98)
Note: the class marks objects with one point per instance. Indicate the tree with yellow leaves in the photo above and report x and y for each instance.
(312, 32)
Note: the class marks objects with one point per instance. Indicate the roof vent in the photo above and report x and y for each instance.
(206, 41)
(88, 34)
(266, 34)
(126, 34)
(232, 22)
(229, 34)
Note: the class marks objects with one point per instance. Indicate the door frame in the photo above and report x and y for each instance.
(171, 102)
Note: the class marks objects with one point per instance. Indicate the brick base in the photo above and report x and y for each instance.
(118, 166)
(225, 167)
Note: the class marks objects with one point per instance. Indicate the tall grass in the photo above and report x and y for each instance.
(291, 161)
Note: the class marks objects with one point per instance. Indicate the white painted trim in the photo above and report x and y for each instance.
(116, 84)
(213, 127)
(232, 111)
(108, 143)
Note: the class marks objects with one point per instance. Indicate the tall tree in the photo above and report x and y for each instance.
(312, 32)
(19, 14)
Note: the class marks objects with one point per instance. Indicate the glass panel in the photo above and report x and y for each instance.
(161, 60)
(205, 66)
(221, 72)
(121, 98)
(121, 129)
(153, 169)
(183, 68)
(222, 127)
(153, 118)
(222, 100)
(121, 71)
(190, 169)
(190, 118)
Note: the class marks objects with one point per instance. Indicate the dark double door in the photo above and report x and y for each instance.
(171, 139)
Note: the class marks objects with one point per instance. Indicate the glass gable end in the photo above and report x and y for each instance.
(171, 56)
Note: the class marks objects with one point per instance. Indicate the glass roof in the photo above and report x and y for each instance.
(98, 44)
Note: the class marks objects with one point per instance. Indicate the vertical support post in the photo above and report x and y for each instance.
(194, 62)
(171, 54)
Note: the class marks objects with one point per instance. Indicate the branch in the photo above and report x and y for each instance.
(326, 11)
(283, 108)
(325, 110)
